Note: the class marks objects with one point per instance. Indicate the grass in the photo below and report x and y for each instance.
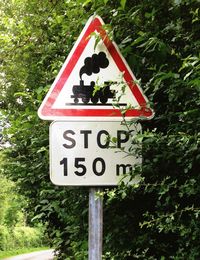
(4, 254)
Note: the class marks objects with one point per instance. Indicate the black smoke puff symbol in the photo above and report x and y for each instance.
(94, 64)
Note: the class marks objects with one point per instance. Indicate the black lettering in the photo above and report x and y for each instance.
(86, 133)
(122, 137)
(123, 169)
(71, 140)
(101, 171)
(106, 144)
(64, 163)
(79, 165)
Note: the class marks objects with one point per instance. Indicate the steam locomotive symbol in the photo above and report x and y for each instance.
(87, 93)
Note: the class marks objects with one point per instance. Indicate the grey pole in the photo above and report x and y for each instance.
(95, 225)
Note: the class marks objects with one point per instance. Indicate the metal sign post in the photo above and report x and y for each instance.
(95, 224)
(79, 154)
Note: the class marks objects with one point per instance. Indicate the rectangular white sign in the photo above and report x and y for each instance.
(91, 153)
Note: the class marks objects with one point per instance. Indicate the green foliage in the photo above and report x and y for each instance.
(20, 237)
(4, 237)
(12, 204)
(159, 219)
(14, 234)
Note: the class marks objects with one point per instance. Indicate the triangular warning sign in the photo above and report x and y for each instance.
(94, 82)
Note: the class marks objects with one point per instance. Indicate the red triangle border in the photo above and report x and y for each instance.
(47, 112)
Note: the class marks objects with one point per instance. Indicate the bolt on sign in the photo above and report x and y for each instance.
(92, 153)
(95, 82)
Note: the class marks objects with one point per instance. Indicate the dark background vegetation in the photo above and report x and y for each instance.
(158, 219)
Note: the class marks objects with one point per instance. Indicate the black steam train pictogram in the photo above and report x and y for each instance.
(87, 93)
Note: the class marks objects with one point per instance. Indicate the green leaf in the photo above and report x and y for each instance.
(123, 4)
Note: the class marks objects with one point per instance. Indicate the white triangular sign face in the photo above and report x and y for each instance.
(94, 82)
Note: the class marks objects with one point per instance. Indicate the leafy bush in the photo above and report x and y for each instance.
(4, 237)
(21, 237)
